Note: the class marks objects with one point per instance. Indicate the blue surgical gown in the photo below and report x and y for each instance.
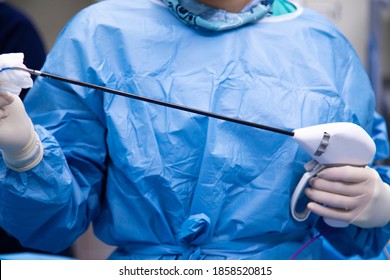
(161, 183)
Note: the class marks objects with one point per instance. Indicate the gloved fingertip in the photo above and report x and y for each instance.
(311, 206)
(308, 192)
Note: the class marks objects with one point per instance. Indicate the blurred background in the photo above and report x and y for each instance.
(366, 23)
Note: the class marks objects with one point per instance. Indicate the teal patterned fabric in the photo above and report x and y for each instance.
(212, 19)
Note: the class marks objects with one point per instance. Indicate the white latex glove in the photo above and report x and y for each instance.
(19, 144)
(13, 80)
(356, 195)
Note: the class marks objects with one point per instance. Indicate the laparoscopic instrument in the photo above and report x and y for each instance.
(331, 144)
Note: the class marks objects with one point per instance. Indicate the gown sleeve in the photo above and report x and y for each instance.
(51, 205)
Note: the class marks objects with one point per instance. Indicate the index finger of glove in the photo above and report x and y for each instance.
(347, 174)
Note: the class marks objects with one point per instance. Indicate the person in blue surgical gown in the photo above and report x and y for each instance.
(161, 183)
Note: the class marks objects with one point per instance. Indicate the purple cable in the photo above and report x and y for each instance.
(304, 246)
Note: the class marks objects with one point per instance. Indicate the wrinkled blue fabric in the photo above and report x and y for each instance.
(159, 183)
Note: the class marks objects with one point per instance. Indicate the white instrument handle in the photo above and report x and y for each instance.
(298, 192)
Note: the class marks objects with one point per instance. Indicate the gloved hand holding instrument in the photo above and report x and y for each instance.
(19, 144)
(344, 189)
(352, 194)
